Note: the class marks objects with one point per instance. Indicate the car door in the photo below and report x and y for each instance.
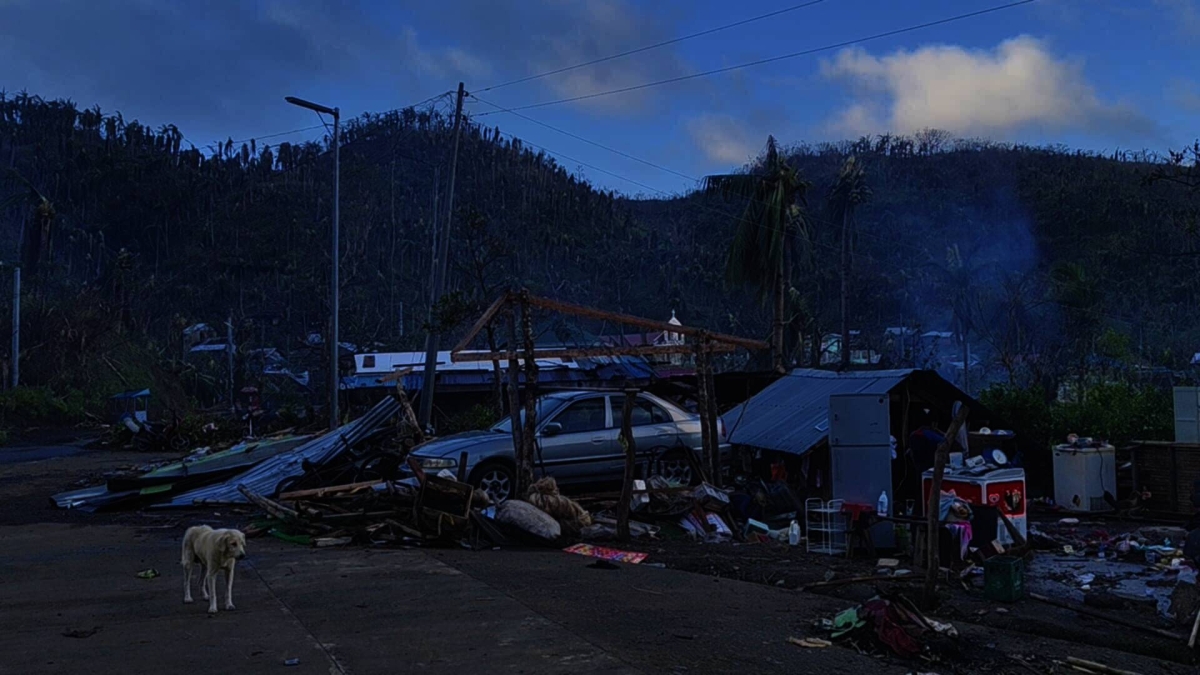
(654, 432)
(582, 442)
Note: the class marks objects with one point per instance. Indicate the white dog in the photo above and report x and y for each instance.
(213, 550)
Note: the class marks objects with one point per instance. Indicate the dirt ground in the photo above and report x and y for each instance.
(715, 608)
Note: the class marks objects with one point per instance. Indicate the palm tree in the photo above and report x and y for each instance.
(34, 242)
(849, 190)
(758, 256)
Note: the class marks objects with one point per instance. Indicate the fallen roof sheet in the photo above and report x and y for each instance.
(792, 414)
(266, 476)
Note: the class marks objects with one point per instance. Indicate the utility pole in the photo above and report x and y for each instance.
(441, 256)
(334, 290)
(16, 327)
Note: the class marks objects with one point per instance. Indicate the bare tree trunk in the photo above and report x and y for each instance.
(528, 435)
(845, 348)
(497, 388)
(933, 507)
(514, 394)
(777, 326)
(630, 450)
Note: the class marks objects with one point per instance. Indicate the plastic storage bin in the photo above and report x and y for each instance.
(1004, 578)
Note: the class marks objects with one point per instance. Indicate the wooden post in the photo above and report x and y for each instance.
(714, 438)
(410, 417)
(528, 434)
(630, 450)
(933, 512)
(462, 466)
(524, 464)
(702, 405)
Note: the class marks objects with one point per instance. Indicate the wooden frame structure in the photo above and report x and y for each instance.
(520, 305)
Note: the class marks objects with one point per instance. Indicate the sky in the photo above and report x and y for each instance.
(1093, 74)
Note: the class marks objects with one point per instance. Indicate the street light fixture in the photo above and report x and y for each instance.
(334, 418)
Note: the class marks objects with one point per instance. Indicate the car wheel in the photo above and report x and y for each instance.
(497, 479)
(674, 467)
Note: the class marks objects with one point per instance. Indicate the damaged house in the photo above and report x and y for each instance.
(847, 436)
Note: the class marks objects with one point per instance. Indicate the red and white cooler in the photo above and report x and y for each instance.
(1002, 489)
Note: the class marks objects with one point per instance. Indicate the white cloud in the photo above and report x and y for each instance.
(723, 139)
(1017, 87)
(439, 63)
(568, 33)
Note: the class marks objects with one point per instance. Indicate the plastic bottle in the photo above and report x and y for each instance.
(882, 507)
(794, 533)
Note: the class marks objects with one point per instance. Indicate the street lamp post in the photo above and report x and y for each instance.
(334, 418)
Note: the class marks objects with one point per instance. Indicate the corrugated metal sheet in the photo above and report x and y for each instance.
(265, 476)
(792, 414)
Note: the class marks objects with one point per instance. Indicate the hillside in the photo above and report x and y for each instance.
(139, 236)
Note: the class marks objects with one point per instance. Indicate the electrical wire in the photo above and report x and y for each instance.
(773, 59)
(581, 138)
(647, 48)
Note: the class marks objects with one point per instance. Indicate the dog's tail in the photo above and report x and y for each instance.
(186, 555)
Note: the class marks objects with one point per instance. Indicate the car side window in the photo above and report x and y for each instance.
(657, 414)
(585, 415)
(644, 412)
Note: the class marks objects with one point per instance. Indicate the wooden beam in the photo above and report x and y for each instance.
(650, 324)
(330, 490)
(396, 375)
(588, 352)
(483, 321)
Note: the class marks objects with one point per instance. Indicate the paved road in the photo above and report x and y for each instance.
(349, 611)
(72, 603)
(36, 453)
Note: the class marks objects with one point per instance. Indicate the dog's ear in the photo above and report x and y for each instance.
(228, 541)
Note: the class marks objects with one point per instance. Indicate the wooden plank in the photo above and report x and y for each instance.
(650, 324)
(395, 376)
(330, 490)
(586, 352)
(483, 321)
(1087, 611)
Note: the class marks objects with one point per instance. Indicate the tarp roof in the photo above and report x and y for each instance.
(132, 393)
(792, 414)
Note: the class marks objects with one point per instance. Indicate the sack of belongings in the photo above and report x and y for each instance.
(528, 518)
(569, 514)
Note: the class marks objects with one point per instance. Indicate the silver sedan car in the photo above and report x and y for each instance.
(577, 442)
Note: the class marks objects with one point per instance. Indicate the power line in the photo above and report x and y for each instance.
(580, 138)
(773, 59)
(275, 135)
(581, 163)
(647, 48)
(323, 125)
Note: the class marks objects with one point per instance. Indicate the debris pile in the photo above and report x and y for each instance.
(266, 465)
(889, 622)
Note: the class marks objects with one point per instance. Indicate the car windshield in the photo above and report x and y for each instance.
(546, 406)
